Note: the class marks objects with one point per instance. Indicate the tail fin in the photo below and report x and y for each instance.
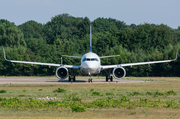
(90, 40)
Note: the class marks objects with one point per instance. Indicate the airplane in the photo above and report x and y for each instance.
(90, 64)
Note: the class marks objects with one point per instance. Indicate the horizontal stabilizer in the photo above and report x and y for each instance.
(109, 56)
(71, 56)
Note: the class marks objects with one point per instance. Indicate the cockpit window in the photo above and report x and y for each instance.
(90, 59)
(84, 59)
(94, 59)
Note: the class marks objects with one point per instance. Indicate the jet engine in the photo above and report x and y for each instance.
(62, 72)
(119, 72)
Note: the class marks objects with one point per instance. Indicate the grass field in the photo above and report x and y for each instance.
(160, 95)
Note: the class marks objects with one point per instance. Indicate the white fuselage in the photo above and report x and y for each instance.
(90, 63)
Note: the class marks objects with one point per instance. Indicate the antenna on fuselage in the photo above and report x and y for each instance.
(90, 40)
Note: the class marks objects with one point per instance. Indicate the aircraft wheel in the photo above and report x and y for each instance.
(74, 79)
(69, 79)
(89, 80)
(111, 78)
(106, 78)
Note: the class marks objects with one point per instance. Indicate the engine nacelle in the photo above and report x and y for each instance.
(119, 72)
(62, 72)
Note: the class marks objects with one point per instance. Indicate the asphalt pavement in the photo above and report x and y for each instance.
(38, 80)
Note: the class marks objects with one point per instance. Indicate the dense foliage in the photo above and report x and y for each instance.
(64, 34)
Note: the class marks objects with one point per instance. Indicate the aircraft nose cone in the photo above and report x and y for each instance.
(92, 67)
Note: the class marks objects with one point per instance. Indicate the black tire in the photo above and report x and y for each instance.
(74, 79)
(106, 78)
(69, 79)
(111, 79)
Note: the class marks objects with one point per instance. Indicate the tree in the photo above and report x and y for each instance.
(10, 35)
(31, 29)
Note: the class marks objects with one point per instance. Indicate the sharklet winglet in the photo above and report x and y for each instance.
(176, 55)
(4, 54)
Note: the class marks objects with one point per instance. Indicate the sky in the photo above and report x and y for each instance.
(129, 11)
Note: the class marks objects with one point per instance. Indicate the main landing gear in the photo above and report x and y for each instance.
(72, 78)
(109, 78)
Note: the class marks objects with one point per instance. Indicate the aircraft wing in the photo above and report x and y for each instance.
(39, 63)
(139, 63)
(109, 66)
(72, 66)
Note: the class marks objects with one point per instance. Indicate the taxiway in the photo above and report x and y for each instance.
(39, 80)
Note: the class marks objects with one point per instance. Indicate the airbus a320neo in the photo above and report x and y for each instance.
(90, 64)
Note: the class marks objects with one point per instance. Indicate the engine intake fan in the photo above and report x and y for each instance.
(119, 72)
(62, 72)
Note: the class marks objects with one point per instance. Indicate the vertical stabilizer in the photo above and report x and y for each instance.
(90, 40)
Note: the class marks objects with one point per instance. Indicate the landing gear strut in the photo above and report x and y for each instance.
(90, 79)
(72, 78)
(109, 78)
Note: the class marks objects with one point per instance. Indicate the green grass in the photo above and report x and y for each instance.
(143, 99)
(3, 91)
(59, 90)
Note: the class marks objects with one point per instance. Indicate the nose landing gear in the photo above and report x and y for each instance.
(90, 79)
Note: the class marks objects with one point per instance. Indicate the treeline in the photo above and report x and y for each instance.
(64, 34)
